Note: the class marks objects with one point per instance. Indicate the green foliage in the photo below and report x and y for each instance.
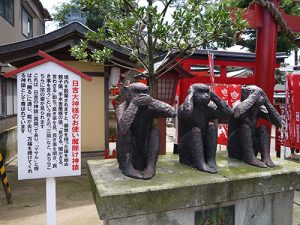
(80, 50)
(146, 28)
(290, 7)
(280, 76)
(95, 14)
(283, 43)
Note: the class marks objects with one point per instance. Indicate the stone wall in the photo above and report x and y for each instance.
(275, 209)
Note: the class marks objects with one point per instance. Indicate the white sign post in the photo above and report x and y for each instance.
(49, 116)
(51, 200)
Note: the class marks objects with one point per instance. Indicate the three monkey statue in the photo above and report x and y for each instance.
(139, 140)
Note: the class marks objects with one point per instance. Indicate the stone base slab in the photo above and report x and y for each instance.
(260, 195)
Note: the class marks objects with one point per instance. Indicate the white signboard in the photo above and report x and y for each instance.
(48, 122)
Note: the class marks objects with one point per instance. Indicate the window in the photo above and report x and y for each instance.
(203, 70)
(7, 10)
(165, 89)
(239, 72)
(27, 24)
(8, 97)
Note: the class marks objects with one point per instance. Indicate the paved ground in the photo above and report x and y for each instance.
(296, 219)
(75, 203)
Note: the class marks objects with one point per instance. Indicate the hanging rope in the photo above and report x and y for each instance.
(277, 17)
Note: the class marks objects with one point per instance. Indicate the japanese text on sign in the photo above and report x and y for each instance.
(49, 122)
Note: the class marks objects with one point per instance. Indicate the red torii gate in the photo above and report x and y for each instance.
(266, 42)
(264, 22)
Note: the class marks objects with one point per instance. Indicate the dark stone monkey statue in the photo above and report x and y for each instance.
(138, 139)
(198, 138)
(245, 138)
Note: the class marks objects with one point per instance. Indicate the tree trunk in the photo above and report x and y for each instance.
(152, 85)
(151, 52)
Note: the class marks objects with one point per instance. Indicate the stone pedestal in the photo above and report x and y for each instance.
(180, 195)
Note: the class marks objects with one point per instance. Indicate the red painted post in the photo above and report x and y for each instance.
(162, 126)
(265, 62)
(278, 140)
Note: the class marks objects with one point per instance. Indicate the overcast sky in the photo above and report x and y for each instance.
(50, 26)
(49, 5)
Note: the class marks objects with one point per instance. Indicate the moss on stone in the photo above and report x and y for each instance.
(178, 186)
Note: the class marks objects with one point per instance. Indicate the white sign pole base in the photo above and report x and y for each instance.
(51, 200)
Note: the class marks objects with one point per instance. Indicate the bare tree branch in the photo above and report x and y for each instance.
(141, 60)
(131, 7)
(163, 13)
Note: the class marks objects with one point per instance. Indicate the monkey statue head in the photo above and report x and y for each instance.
(135, 90)
(250, 89)
(201, 94)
